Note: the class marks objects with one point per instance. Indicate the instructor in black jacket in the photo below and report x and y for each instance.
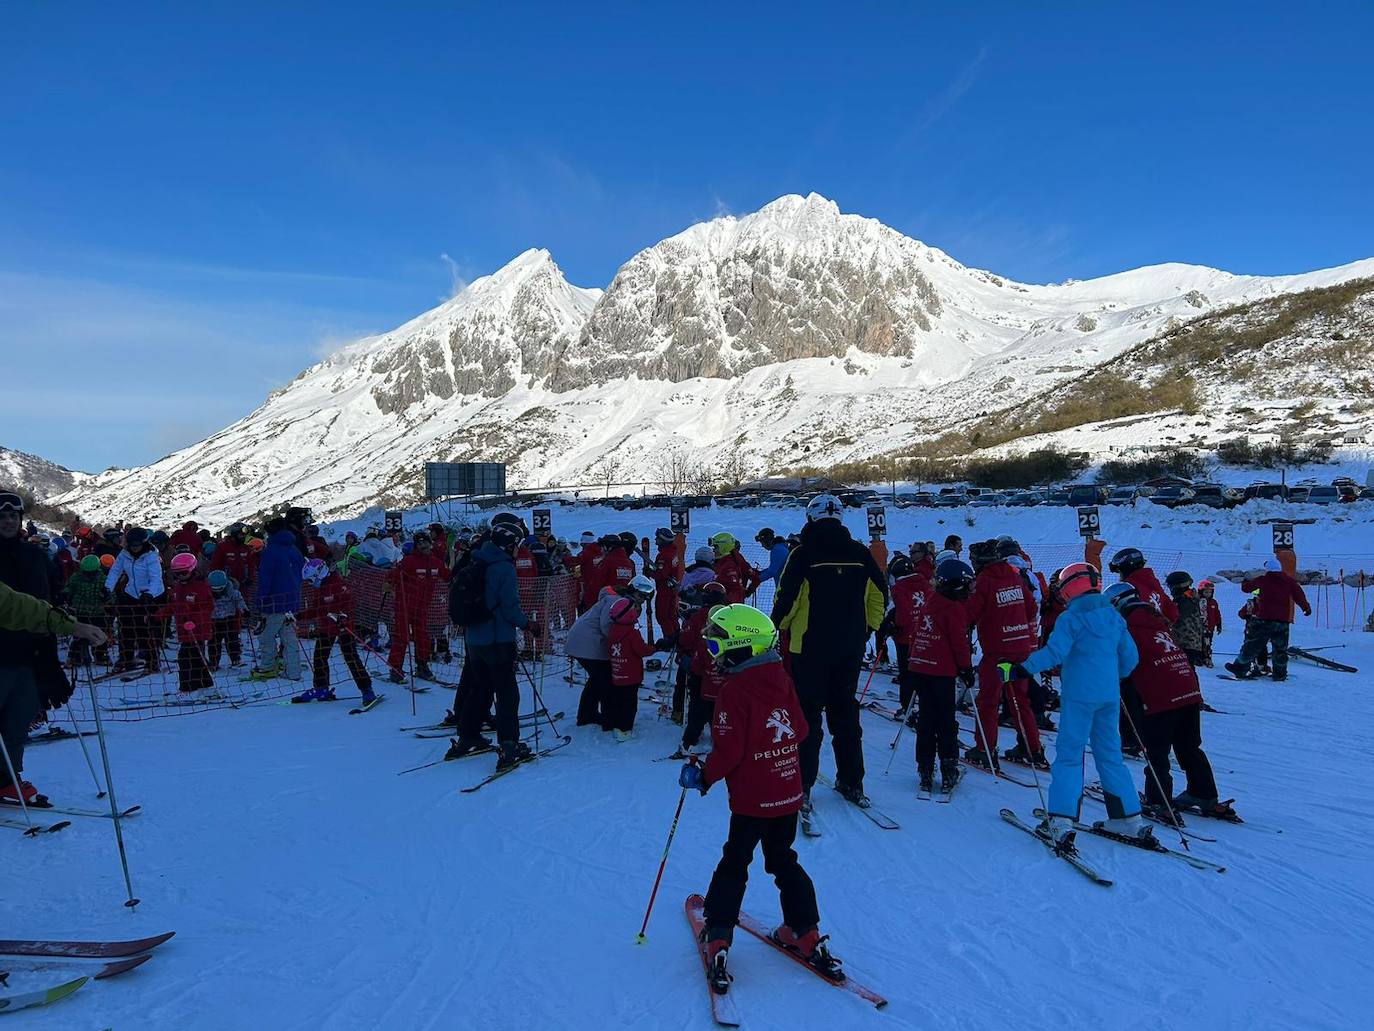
(831, 596)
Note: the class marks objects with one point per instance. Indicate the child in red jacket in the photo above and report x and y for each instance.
(331, 615)
(758, 730)
(703, 682)
(628, 651)
(1211, 612)
(940, 652)
(192, 607)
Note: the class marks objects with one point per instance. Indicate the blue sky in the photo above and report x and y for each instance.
(194, 206)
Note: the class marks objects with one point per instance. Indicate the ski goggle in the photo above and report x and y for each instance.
(11, 503)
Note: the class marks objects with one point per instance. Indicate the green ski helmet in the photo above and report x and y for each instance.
(723, 543)
(737, 633)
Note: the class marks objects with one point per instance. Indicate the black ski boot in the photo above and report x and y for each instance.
(1020, 755)
(927, 784)
(853, 793)
(423, 671)
(1239, 672)
(978, 757)
(949, 773)
(810, 946)
(450, 719)
(715, 942)
(462, 746)
(396, 676)
(513, 753)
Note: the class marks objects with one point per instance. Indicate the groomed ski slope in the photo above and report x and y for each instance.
(311, 887)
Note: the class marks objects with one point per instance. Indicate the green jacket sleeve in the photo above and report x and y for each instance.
(28, 614)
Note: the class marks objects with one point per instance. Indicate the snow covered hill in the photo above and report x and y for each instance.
(36, 476)
(794, 335)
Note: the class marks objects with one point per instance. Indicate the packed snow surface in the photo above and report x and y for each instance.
(310, 886)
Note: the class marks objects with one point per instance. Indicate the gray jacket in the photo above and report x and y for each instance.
(589, 636)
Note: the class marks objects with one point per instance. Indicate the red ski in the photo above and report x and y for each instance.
(848, 983)
(84, 950)
(722, 1004)
(43, 963)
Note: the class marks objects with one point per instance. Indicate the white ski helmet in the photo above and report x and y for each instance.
(824, 506)
(641, 585)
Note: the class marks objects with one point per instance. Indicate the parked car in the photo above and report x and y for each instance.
(1084, 494)
(1056, 497)
(1298, 495)
(951, 501)
(1367, 494)
(1024, 499)
(1122, 496)
(1172, 497)
(988, 499)
(923, 499)
(1214, 495)
(1266, 492)
(1320, 495)
(1349, 492)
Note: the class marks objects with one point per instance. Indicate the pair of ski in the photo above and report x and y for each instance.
(179, 699)
(880, 818)
(67, 810)
(946, 791)
(1094, 791)
(562, 742)
(124, 956)
(525, 722)
(450, 727)
(723, 1006)
(55, 734)
(1150, 844)
(488, 750)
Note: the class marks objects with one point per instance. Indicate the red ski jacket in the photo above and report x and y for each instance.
(333, 599)
(525, 567)
(736, 575)
(628, 652)
(1213, 614)
(615, 569)
(664, 567)
(417, 578)
(1147, 585)
(1164, 678)
(1278, 594)
(238, 561)
(188, 535)
(315, 547)
(192, 608)
(587, 560)
(1003, 609)
(939, 640)
(909, 595)
(757, 734)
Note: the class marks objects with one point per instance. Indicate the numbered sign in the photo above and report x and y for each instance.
(680, 519)
(543, 522)
(1283, 536)
(877, 522)
(391, 522)
(1089, 522)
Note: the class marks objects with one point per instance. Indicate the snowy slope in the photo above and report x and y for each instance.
(36, 476)
(796, 334)
(310, 887)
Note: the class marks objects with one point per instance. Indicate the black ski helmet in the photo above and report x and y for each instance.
(954, 579)
(1178, 581)
(1127, 561)
(135, 537)
(664, 535)
(628, 541)
(510, 519)
(506, 536)
(1007, 547)
(900, 566)
(980, 553)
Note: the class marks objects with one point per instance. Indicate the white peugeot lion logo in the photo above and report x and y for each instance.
(781, 725)
(1165, 641)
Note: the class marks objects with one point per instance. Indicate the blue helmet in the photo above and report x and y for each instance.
(1121, 595)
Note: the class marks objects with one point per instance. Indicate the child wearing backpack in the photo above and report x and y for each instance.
(86, 600)
(628, 650)
(224, 624)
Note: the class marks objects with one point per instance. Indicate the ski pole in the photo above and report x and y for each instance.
(100, 792)
(681, 798)
(904, 715)
(131, 902)
(1005, 668)
(19, 788)
(870, 678)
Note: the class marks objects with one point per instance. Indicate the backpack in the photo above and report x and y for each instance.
(467, 595)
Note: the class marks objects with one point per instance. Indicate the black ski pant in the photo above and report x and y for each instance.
(620, 706)
(1039, 694)
(906, 683)
(825, 685)
(224, 636)
(18, 707)
(592, 704)
(937, 733)
(493, 676)
(348, 648)
(700, 712)
(680, 682)
(726, 893)
(192, 673)
(1270, 633)
(1179, 730)
(140, 631)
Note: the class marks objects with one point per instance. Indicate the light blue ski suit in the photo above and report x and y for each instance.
(1094, 650)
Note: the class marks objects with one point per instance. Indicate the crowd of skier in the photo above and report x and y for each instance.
(987, 634)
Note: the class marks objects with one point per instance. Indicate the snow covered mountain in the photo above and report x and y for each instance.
(20, 470)
(797, 334)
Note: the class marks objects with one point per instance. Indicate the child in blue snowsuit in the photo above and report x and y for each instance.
(1093, 648)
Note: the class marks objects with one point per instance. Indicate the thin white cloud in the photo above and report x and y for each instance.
(457, 280)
